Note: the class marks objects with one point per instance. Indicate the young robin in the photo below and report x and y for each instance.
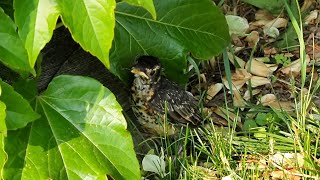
(154, 97)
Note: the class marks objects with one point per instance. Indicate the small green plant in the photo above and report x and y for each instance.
(281, 59)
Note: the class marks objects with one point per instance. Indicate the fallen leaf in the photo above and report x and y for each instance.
(258, 68)
(277, 23)
(258, 81)
(311, 17)
(294, 67)
(262, 59)
(237, 25)
(154, 163)
(236, 41)
(288, 160)
(234, 59)
(253, 38)
(271, 101)
(307, 4)
(280, 174)
(272, 67)
(239, 78)
(213, 90)
(267, 99)
(272, 32)
(263, 15)
(258, 24)
(246, 95)
(268, 51)
(237, 99)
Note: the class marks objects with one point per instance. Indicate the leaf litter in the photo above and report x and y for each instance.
(264, 73)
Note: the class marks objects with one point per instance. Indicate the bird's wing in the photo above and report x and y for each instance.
(181, 106)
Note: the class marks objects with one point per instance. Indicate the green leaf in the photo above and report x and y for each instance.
(3, 155)
(261, 119)
(81, 135)
(3, 127)
(202, 31)
(91, 24)
(3, 133)
(12, 51)
(19, 112)
(27, 88)
(249, 124)
(274, 6)
(147, 4)
(15, 145)
(36, 20)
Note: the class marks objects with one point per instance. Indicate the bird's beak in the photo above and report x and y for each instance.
(140, 73)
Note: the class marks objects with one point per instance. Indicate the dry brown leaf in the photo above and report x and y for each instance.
(258, 68)
(252, 38)
(213, 90)
(268, 51)
(280, 174)
(294, 67)
(237, 99)
(263, 15)
(268, 99)
(237, 49)
(314, 51)
(239, 78)
(307, 4)
(271, 101)
(262, 59)
(272, 67)
(311, 17)
(246, 95)
(257, 24)
(258, 81)
(277, 23)
(234, 59)
(236, 41)
(288, 160)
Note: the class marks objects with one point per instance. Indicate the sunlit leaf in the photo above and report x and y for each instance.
(12, 51)
(80, 135)
(147, 4)
(36, 20)
(91, 24)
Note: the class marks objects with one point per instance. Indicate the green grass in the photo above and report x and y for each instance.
(213, 152)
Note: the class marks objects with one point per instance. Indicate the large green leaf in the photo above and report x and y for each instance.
(147, 4)
(3, 133)
(3, 127)
(15, 145)
(19, 112)
(91, 24)
(12, 51)
(81, 135)
(182, 26)
(36, 20)
(274, 6)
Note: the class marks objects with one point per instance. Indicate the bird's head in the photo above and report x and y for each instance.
(148, 69)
